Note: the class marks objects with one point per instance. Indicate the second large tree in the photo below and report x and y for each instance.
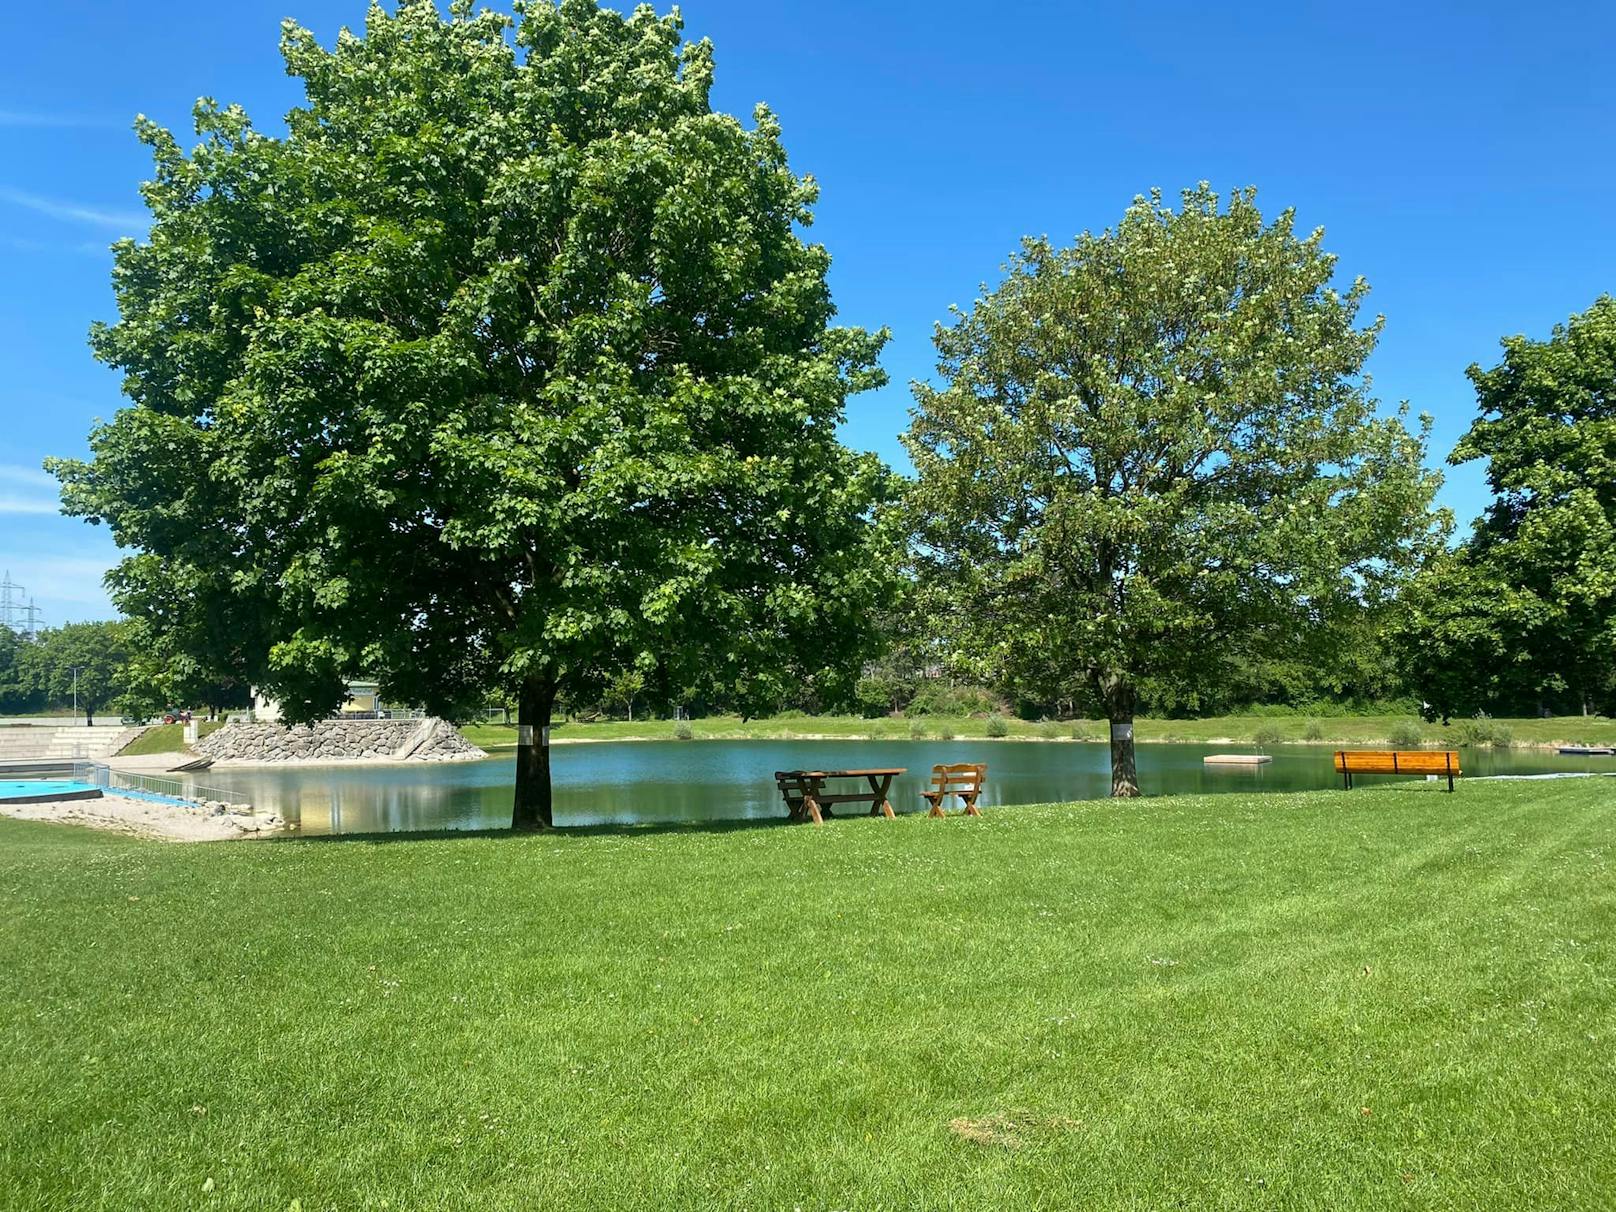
(1155, 449)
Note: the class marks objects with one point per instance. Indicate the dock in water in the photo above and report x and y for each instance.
(1237, 759)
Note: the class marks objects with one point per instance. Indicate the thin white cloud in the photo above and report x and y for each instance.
(25, 489)
(54, 121)
(21, 473)
(34, 505)
(75, 212)
(87, 248)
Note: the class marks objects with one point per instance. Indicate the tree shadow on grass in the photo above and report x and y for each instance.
(647, 829)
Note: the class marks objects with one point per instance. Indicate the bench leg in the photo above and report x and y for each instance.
(970, 805)
(878, 794)
(813, 810)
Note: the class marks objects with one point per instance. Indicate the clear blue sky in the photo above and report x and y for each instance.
(1459, 156)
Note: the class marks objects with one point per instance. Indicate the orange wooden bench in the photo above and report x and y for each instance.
(1349, 762)
(963, 780)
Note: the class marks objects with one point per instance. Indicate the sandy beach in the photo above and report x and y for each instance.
(164, 822)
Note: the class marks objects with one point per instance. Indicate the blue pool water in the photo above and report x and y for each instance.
(22, 790)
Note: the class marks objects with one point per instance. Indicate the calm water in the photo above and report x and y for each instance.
(645, 781)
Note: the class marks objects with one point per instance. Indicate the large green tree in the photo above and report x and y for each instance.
(506, 365)
(1523, 615)
(85, 664)
(1154, 452)
(16, 693)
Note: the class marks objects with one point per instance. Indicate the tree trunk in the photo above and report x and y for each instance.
(89, 717)
(533, 806)
(1117, 693)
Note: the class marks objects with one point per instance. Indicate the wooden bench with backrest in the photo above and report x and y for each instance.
(963, 780)
(1444, 763)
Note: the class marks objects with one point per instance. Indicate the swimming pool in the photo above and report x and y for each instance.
(38, 791)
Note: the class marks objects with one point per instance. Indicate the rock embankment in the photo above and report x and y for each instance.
(339, 740)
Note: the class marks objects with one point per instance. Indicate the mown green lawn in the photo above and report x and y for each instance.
(165, 738)
(1355, 730)
(1393, 998)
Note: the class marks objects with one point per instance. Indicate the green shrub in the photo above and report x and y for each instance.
(1483, 732)
(917, 730)
(872, 697)
(997, 725)
(1312, 731)
(1049, 730)
(1082, 732)
(1406, 734)
(936, 697)
(945, 732)
(1268, 734)
(682, 731)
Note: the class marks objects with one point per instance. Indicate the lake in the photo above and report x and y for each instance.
(657, 781)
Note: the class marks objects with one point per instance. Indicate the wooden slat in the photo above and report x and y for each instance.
(1397, 761)
(837, 774)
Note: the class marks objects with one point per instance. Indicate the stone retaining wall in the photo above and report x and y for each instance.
(339, 740)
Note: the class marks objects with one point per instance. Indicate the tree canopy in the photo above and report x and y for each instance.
(1523, 615)
(83, 663)
(1153, 453)
(506, 365)
(16, 692)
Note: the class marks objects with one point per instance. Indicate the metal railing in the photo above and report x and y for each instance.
(184, 794)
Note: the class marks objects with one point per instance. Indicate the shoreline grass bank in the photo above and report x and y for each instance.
(1245, 730)
(1234, 730)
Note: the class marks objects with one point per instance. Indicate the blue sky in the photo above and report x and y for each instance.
(1459, 155)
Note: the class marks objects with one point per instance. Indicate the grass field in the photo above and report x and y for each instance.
(1396, 998)
(165, 738)
(1356, 730)
(1242, 729)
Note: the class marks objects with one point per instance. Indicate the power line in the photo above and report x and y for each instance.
(17, 609)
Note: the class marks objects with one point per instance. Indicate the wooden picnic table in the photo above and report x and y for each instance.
(806, 797)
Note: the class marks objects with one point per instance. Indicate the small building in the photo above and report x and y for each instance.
(364, 699)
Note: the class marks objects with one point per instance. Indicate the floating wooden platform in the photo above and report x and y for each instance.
(1586, 751)
(1237, 759)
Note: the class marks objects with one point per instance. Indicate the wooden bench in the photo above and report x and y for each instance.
(1349, 762)
(806, 799)
(963, 780)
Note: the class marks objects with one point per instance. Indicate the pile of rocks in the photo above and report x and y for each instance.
(241, 817)
(339, 740)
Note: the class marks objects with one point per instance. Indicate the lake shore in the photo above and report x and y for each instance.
(166, 744)
(145, 819)
(960, 735)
